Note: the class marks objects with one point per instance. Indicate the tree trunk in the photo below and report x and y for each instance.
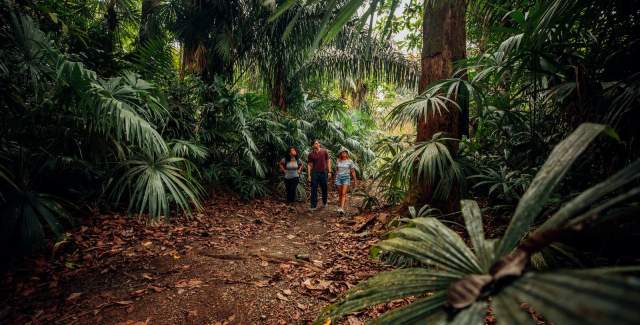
(278, 89)
(112, 26)
(444, 42)
(147, 29)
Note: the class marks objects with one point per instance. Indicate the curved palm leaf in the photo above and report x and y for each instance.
(563, 297)
(389, 286)
(419, 108)
(542, 186)
(429, 161)
(154, 183)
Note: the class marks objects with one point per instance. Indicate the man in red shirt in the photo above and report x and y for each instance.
(318, 172)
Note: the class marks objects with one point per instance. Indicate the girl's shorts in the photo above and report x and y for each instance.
(344, 179)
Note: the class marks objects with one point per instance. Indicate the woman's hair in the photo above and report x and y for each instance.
(340, 153)
(287, 155)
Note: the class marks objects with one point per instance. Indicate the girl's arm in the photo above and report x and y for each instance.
(353, 174)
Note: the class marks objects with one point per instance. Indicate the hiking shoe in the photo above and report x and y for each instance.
(340, 212)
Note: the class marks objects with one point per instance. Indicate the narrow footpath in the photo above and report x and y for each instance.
(235, 263)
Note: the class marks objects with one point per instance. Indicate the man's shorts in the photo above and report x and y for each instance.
(343, 179)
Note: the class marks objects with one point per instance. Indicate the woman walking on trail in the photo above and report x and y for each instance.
(291, 167)
(345, 176)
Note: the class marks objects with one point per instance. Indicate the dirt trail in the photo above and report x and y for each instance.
(237, 263)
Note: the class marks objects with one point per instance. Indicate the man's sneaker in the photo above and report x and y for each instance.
(312, 209)
(324, 205)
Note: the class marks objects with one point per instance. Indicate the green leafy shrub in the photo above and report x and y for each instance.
(368, 196)
(248, 187)
(502, 184)
(153, 183)
(429, 162)
(28, 214)
(458, 284)
(74, 129)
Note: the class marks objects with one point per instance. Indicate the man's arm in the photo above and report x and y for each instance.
(309, 166)
(328, 163)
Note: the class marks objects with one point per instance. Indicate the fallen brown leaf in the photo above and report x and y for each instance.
(74, 296)
(124, 302)
(191, 283)
(316, 284)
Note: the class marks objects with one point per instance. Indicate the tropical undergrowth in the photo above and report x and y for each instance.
(524, 87)
(109, 125)
(536, 72)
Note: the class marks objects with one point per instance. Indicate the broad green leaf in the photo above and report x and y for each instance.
(41, 205)
(324, 24)
(472, 315)
(423, 311)
(291, 25)
(346, 12)
(633, 269)
(423, 253)
(387, 23)
(508, 311)
(580, 297)
(432, 243)
(7, 177)
(154, 183)
(473, 221)
(449, 241)
(593, 214)
(545, 182)
(388, 286)
(590, 196)
(282, 8)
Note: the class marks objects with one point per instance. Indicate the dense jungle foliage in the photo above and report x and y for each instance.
(153, 106)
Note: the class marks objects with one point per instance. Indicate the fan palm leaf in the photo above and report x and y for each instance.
(154, 183)
(561, 296)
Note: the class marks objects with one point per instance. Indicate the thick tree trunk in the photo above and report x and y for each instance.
(112, 26)
(146, 30)
(444, 42)
(358, 93)
(279, 88)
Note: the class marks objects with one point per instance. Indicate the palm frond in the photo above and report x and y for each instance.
(419, 108)
(448, 252)
(611, 299)
(542, 186)
(154, 183)
(388, 286)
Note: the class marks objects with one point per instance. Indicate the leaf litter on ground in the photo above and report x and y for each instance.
(114, 267)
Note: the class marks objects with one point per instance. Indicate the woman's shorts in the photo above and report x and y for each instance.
(344, 179)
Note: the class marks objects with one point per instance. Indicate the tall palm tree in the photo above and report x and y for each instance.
(232, 38)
